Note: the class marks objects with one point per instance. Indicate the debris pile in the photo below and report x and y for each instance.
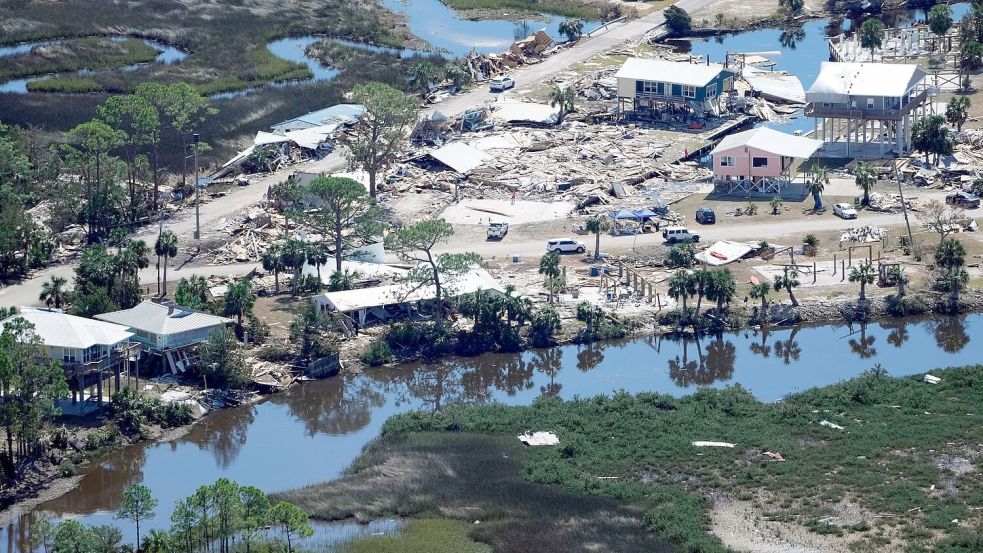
(864, 234)
(889, 203)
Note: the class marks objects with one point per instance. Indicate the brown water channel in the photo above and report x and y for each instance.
(313, 431)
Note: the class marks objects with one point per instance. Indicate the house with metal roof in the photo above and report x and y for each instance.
(868, 108)
(346, 114)
(165, 326)
(653, 87)
(87, 349)
(760, 160)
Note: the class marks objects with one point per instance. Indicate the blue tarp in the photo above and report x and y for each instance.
(623, 214)
(644, 213)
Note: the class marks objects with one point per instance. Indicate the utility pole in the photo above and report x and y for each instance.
(904, 207)
(196, 138)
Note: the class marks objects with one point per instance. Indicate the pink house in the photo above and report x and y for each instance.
(759, 160)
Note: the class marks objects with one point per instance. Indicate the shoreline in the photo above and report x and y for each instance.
(809, 313)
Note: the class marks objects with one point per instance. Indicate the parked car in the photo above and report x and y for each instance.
(501, 84)
(706, 216)
(846, 211)
(565, 245)
(679, 234)
(497, 231)
(965, 200)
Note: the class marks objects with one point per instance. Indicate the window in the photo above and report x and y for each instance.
(68, 356)
(827, 104)
(727, 161)
(712, 90)
(660, 89)
(689, 91)
(759, 162)
(870, 103)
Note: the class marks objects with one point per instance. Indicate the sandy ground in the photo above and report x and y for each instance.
(481, 212)
(743, 527)
(738, 11)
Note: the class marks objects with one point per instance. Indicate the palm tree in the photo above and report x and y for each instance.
(896, 273)
(871, 35)
(166, 247)
(864, 273)
(865, 178)
(272, 260)
(422, 74)
(951, 258)
(682, 286)
(317, 255)
(820, 178)
(788, 281)
(721, 288)
(549, 265)
(342, 280)
(564, 98)
(701, 281)
(239, 300)
(53, 292)
(293, 256)
(597, 224)
(572, 29)
(760, 291)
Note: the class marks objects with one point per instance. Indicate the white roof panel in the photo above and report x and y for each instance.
(677, 72)
(58, 329)
(839, 80)
(365, 298)
(771, 141)
(460, 157)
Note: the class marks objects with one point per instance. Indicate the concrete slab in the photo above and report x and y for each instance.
(480, 212)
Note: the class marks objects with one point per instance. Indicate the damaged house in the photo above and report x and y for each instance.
(657, 89)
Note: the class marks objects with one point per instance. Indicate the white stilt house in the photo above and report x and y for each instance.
(867, 109)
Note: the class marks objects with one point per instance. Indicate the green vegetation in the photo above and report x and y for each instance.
(67, 85)
(579, 9)
(898, 436)
(31, 382)
(423, 536)
(223, 516)
(678, 20)
(382, 131)
(93, 53)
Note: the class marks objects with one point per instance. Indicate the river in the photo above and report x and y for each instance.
(313, 431)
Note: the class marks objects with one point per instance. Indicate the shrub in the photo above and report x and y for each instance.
(275, 353)
(811, 240)
(678, 20)
(682, 255)
(67, 468)
(378, 353)
(544, 324)
(906, 306)
(104, 437)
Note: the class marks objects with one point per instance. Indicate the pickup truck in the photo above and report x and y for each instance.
(497, 231)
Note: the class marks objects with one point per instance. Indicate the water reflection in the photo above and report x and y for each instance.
(548, 362)
(950, 333)
(791, 37)
(862, 344)
(714, 364)
(323, 426)
(342, 408)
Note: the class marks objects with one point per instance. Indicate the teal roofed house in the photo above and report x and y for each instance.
(652, 88)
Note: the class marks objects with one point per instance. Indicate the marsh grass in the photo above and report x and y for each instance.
(93, 53)
(467, 477)
(896, 433)
(565, 8)
(422, 536)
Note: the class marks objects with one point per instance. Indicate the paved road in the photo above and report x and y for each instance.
(742, 230)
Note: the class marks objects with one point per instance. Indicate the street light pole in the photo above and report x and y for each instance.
(196, 138)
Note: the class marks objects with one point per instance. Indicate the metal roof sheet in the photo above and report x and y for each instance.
(365, 298)
(341, 113)
(676, 72)
(163, 319)
(839, 80)
(57, 329)
(771, 141)
(460, 157)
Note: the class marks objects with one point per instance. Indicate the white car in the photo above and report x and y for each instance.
(846, 211)
(565, 245)
(501, 84)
